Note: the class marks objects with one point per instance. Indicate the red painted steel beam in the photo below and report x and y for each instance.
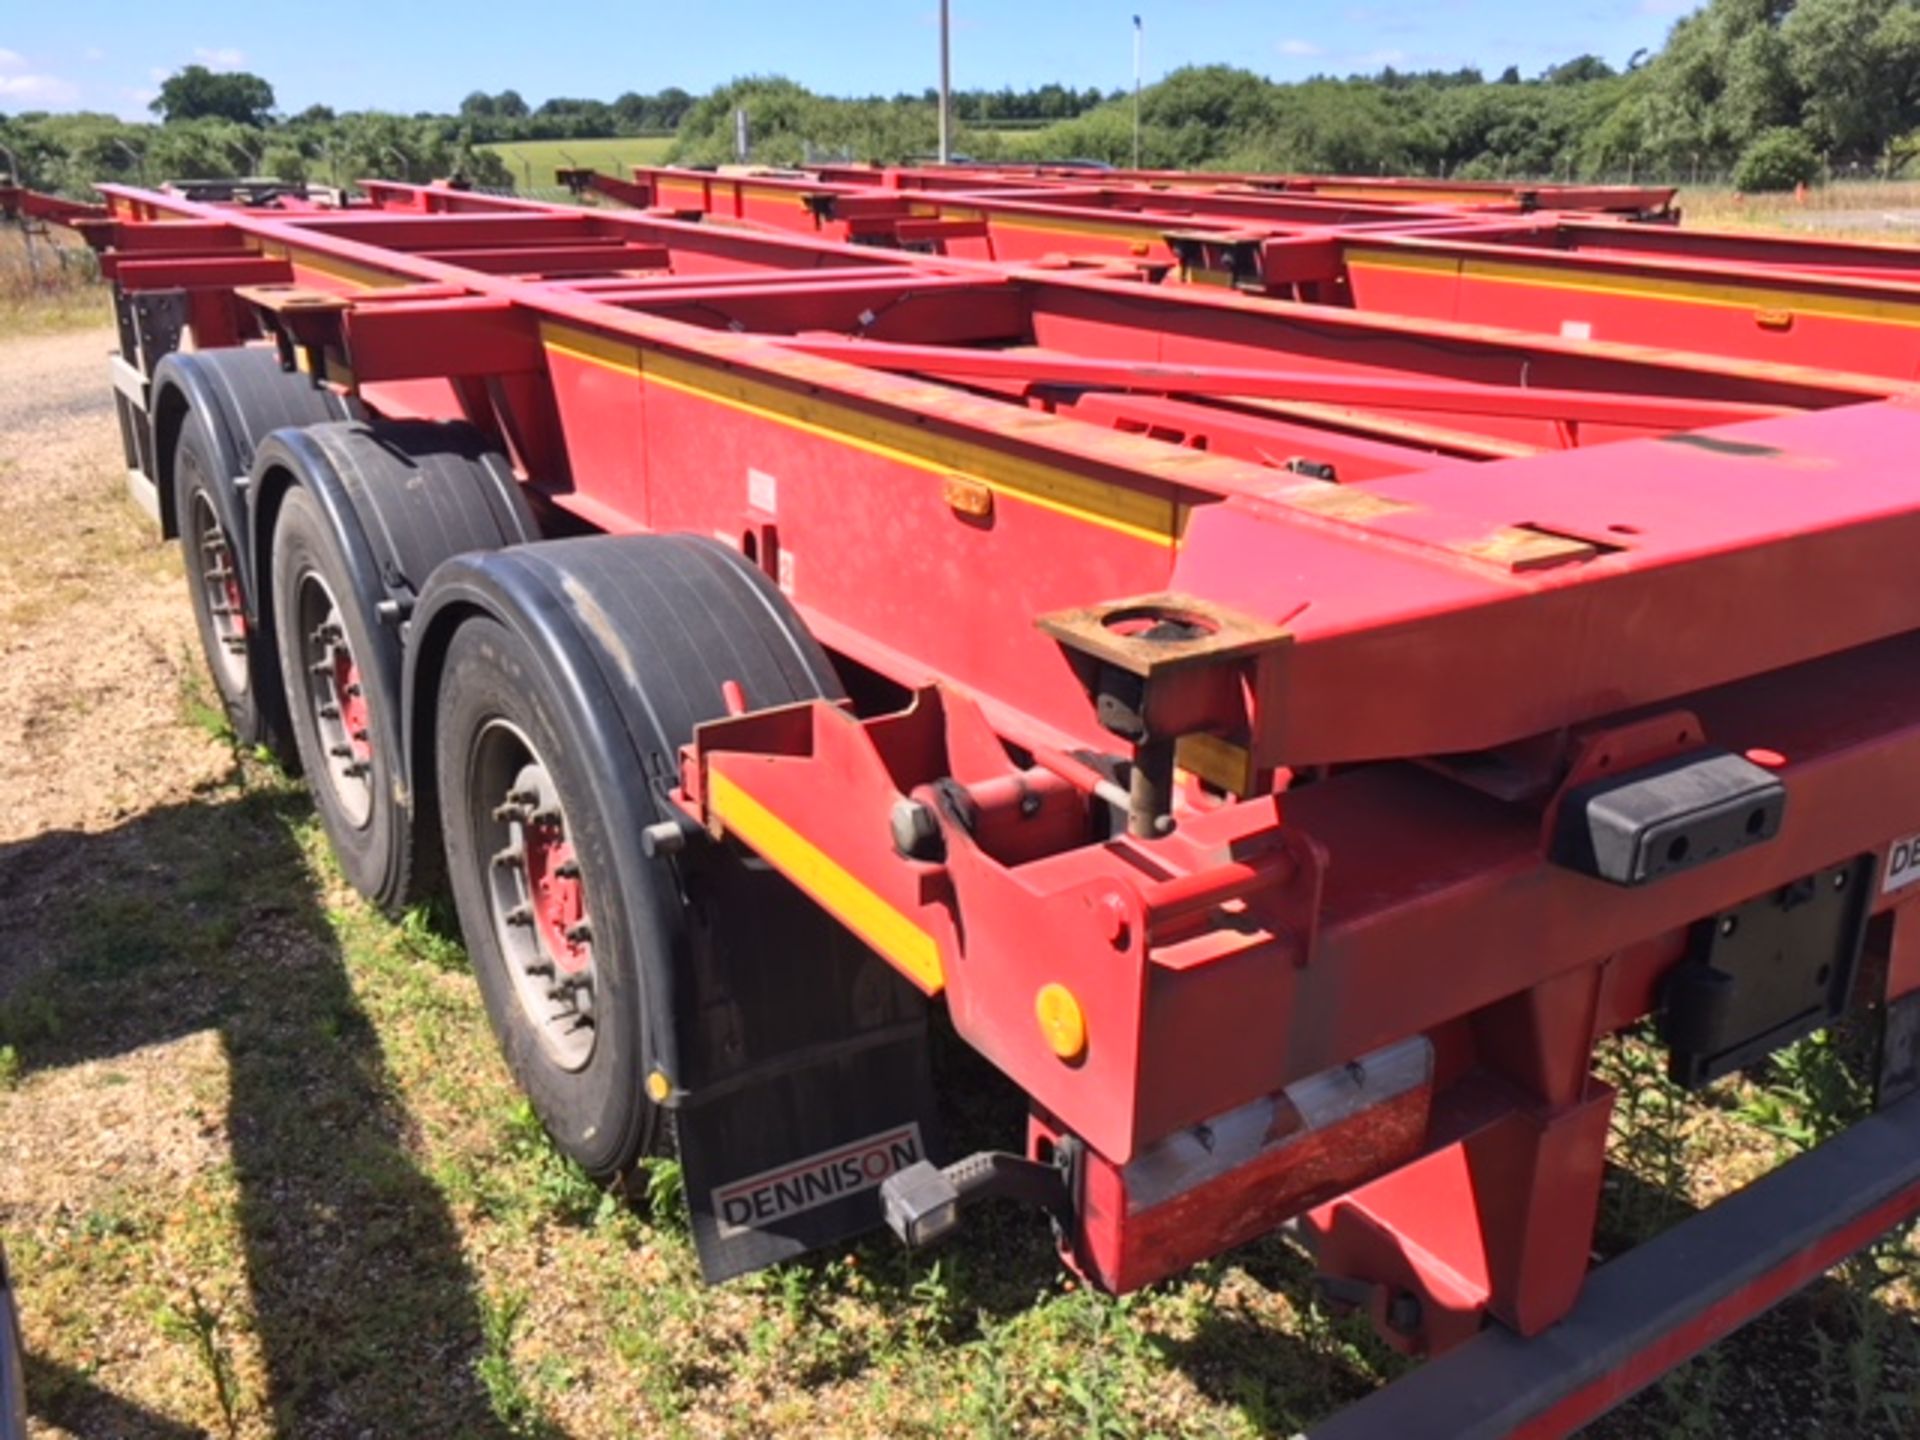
(16, 202)
(192, 272)
(553, 259)
(404, 230)
(1040, 368)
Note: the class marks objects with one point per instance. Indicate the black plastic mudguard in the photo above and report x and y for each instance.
(797, 1057)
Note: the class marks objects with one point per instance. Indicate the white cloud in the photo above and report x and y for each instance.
(225, 57)
(12, 60)
(38, 89)
(1296, 46)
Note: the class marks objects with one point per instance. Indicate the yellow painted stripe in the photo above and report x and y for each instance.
(1138, 513)
(1046, 224)
(904, 944)
(360, 276)
(1691, 292)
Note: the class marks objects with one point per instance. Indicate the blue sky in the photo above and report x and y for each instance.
(425, 54)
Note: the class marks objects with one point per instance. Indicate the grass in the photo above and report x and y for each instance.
(267, 1176)
(1863, 209)
(384, 1238)
(48, 282)
(534, 161)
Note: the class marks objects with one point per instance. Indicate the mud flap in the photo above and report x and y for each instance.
(808, 1077)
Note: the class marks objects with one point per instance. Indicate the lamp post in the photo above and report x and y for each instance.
(1137, 29)
(139, 160)
(946, 86)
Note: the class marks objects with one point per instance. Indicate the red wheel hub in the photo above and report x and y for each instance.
(230, 583)
(556, 896)
(353, 703)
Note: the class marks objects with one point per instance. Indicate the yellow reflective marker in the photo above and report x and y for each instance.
(1061, 1021)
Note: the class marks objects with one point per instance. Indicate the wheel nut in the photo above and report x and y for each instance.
(916, 831)
(520, 915)
(580, 934)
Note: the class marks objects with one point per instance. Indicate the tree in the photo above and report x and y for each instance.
(1778, 160)
(1578, 69)
(197, 93)
(1858, 64)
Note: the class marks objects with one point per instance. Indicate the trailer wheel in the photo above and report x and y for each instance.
(351, 518)
(529, 857)
(337, 698)
(564, 677)
(211, 409)
(240, 654)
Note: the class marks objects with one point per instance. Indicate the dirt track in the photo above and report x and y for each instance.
(96, 638)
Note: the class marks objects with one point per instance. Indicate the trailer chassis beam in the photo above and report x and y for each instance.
(1663, 1301)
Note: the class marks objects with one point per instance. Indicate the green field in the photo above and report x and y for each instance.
(534, 161)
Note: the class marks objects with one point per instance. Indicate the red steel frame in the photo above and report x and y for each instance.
(1414, 554)
(1838, 304)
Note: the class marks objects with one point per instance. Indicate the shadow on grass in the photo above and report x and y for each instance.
(205, 916)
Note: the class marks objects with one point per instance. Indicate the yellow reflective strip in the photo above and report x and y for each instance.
(1138, 513)
(1689, 292)
(904, 944)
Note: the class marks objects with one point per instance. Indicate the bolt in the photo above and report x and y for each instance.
(520, 915)
(340, 752)
(357, 769)
(524, 797)
(329, 712)
(360, 735)
(663, 837)
(1113, 912)
(512, 855)
(512, 810)
(353, 692)
(916, 830)
(1403, 1313)
(568, 869)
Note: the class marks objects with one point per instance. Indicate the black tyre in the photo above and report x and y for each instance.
(553, 933)
(561, 706)
(344, 712)
(361, 514)
(13, 1365)
(240, 654)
